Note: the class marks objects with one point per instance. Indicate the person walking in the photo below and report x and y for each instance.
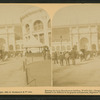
(73, 56)
(55, 58)
(61, 57)
(67, 58)
(81, 55)
(44, 53)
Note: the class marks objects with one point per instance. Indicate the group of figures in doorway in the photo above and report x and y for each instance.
(70, 57)
(5, 55)
(45, 53)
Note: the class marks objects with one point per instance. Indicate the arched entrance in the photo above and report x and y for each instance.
(84, 43)
(2, 42)
(11, 47)
(75, 47)
(93, 47)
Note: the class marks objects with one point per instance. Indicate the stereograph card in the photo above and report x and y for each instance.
(50, 49)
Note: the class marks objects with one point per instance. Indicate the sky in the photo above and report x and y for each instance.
(77, 14)
(10, 14)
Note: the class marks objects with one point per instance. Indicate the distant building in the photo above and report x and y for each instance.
(61, 39)
(84, 36)
(36, 28)
(8, 36)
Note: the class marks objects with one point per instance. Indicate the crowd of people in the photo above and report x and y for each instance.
(70, 57)
(46, 53)
(5, 55)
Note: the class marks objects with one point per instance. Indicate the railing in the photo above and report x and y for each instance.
(30, 80)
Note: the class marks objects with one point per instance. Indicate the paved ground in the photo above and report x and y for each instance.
(83, 74)
(12, 74)
(40, 73)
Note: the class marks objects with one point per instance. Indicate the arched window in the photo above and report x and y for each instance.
(11, 47)
(93, 46)
(27, 28)
(49, 23)
(17, 47)
(2, 42)
(38, 25)
(84, 43)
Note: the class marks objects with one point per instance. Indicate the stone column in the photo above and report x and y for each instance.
(71, 37)
(78, 44)
(7, 41)
(14, 41)
(97, 40)
(90, 37)
(46, 38)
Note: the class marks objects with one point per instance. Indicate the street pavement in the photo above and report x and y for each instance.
(12, 73)
(86, 73)
(40, 73)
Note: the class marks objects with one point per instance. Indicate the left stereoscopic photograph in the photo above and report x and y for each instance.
(25, 46)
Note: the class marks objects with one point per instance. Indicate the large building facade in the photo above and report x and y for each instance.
(9, 36)
(36, 28)
(84, 36)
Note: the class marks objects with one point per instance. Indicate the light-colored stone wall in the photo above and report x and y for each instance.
(7, 33)
(79, 32)
(30, 18)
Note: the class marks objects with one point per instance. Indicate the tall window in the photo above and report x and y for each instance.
(38, 25)
(27, 28)
(49, 23)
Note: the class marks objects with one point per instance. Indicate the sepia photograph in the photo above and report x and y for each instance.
(76, 46)
(50, 49)
(25, 46)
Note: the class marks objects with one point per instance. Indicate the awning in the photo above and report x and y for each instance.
(32, 43)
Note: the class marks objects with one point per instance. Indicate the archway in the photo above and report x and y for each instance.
(93, 47)
(84, 43)
(11, 47)
(38, 25)
(75, 47)
(2, 42)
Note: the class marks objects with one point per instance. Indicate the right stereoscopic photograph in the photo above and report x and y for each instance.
(76, 46)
